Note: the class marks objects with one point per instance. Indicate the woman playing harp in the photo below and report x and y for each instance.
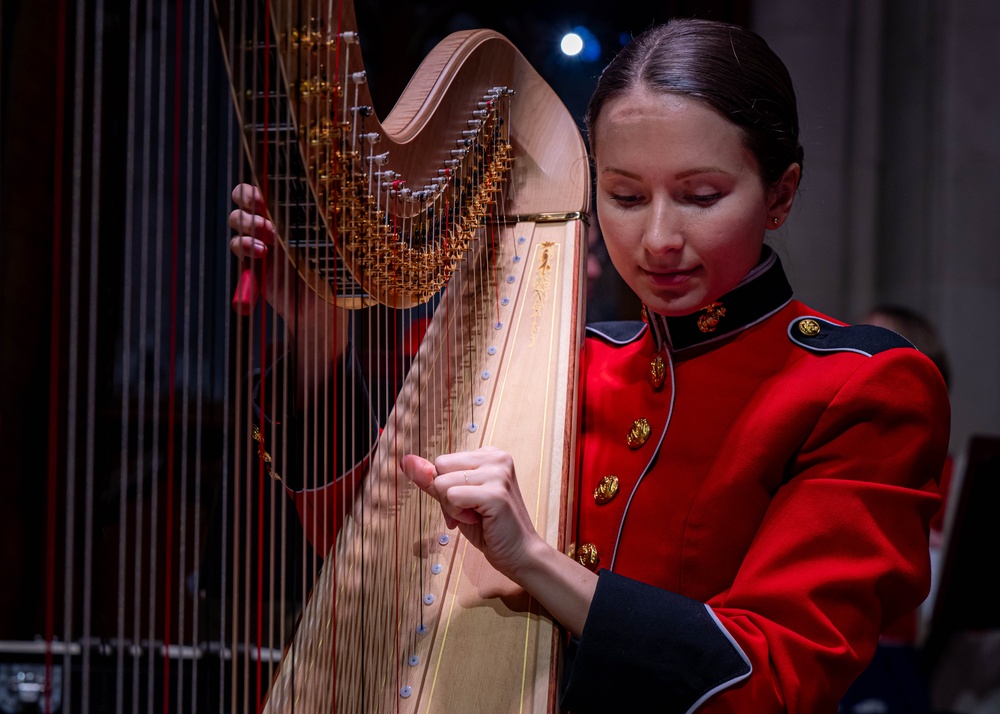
(756, 478)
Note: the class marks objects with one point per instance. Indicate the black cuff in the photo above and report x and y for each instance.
(644, 648)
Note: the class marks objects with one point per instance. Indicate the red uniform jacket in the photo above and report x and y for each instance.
(291, 457)
(774, 521)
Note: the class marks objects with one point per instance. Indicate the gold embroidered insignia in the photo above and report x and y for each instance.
(710, 320)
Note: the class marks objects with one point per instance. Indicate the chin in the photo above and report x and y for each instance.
(676, 307)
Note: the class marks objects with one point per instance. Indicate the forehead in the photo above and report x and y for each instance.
(666, 127)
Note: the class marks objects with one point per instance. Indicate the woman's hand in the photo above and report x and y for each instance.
(478, 492)
(255, 239)
(254, 231)
(319, 330)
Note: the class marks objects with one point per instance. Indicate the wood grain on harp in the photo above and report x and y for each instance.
(470, 194)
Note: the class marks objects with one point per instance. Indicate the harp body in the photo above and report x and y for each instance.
(450, 633)
(405, 615)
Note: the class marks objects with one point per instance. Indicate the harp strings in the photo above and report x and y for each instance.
(156, 387)
(167, 380)
(308, 388)
(354, 646)
(128, 360)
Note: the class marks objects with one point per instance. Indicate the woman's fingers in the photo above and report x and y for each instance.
(460, 498)
(248, 197)
(250, 224)
(478, 491)
(486, 459)
(420, 471)
(445, 488)
(254, 232)
(247, 247)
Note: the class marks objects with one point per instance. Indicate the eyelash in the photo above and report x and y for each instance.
(694, 198)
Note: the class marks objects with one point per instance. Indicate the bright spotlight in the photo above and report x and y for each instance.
(571, 44)
(581, 42)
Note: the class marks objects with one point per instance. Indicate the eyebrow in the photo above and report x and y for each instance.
(702, 170)
(682, 175)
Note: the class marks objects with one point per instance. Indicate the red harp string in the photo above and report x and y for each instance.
(177, 562)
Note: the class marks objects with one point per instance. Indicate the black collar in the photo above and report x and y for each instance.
(763, 292)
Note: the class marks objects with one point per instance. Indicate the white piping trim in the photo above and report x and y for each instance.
(612, 340)
(759, 269)
(658, 327)
(737, 331)
(725, 685)
(649, 462)
(821, 320)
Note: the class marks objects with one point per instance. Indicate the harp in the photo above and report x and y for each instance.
(473, 199)
(161, 567)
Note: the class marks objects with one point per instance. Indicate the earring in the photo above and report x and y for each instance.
(775, 221)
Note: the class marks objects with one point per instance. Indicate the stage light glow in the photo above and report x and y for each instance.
(571, 44)
(581, 43)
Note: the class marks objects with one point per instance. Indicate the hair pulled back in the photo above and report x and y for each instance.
(728, 67)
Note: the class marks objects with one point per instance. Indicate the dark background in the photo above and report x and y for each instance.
(401, 34)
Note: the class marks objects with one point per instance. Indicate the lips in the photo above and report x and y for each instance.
(669, 276)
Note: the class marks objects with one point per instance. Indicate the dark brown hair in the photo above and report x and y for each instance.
(728, 67)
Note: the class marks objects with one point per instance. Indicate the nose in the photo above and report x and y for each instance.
(664, 230)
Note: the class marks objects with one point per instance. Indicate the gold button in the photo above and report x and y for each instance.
(657, 371)
(607, 489)
(639, 433)
(809, 328)
(587, 556)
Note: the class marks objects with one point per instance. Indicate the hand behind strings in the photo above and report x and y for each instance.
(315, 326)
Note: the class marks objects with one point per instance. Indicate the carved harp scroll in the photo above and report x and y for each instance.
(469, 195)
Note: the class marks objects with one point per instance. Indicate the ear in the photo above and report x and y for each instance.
(781, 195)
